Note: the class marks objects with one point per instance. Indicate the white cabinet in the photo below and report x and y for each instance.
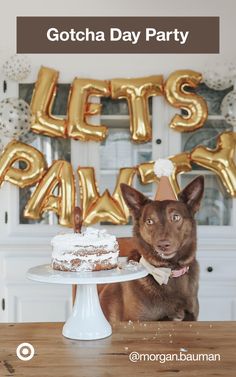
(23, 300)
(217, 291)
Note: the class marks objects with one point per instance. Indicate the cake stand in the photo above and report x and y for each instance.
(87, 321)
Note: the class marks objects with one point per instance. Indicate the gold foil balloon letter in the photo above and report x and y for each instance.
(137, 91)
(43, 122)
(193, 104)
(106, 207)
(80, 108)
(59, 176)
(220, 160)
(181, 164)
(34, 162)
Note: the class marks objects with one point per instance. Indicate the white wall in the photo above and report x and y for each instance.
(108, 66)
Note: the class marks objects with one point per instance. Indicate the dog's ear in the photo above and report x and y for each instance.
(133, 198)
(192, 194)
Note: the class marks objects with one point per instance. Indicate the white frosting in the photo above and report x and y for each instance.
(89, 237)
(85, 245)
(63, 255)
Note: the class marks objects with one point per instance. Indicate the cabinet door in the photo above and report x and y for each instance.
(119, 151)
(2, 292)
(217, 288)
(26, 300)
(13, 224)
(37, 302)
(216, 217)
(215, 309)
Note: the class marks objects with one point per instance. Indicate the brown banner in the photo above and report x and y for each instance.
(118, 35)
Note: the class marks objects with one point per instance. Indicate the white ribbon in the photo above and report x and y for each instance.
(160, 274)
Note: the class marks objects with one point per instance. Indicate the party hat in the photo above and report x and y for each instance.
(163, 168)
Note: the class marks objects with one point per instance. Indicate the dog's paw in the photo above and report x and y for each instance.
(179, 316)
(134, 255)
(178, 319)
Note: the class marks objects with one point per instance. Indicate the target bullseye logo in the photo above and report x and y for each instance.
(25, 351)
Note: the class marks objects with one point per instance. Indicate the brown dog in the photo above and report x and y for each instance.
(165, 232)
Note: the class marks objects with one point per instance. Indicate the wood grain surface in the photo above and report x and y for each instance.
(60, 357)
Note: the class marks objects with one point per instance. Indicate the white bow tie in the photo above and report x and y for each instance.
(160, 274)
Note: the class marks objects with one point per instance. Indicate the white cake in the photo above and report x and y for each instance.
(91, 250)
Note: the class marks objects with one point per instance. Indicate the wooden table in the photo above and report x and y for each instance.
(60, 357)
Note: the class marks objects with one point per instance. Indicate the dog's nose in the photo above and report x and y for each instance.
(163, 245)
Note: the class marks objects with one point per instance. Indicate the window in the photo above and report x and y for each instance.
(216, 208)
(52, 148)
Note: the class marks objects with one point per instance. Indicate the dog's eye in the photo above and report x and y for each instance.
(175, 217)
(149, 221)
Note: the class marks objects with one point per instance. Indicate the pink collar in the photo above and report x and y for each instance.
(177, 273)
(162, 274)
